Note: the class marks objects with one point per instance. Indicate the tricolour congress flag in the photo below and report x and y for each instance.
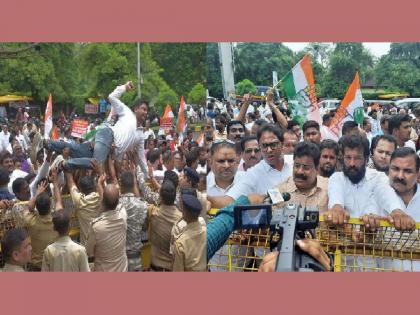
(299, 87)
(181, 125)
(348, 107)
(48, 119)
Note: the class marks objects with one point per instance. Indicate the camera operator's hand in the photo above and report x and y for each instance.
(312, 247)
(337, 215)
(256, 199)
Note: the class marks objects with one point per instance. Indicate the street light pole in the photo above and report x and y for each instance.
(138, 71)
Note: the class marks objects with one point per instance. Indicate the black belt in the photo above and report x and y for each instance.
(131, 255)
(156, 268)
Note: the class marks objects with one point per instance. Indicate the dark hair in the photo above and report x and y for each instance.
(234, 122)
(43, 203)
(127, 180)
(290, 132)
(167, 156)
(11, 241)
(87, 185)
(167, 192)
(396, 120)
(329, 144)
(270, 128)
(385, 118)
(154, 155)
(355, 142)
(326, 118)
(376, 140)
(310, 124)
(191, 157)
(222, 118)
(18, 184)
(307, 148)
(5, 155)
(216, 146)
(247, 139)
(61, 221)
(171, 176)
(138, 103)
(4, 177)
(348, 125)
(192, 144)
(405, 152)
(291, 124)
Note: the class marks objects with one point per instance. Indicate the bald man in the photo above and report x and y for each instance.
(107, 234)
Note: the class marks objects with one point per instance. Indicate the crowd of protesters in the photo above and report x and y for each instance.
(128, 185)
(368, 171)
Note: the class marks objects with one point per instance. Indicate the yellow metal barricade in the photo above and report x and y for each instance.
(353, 248)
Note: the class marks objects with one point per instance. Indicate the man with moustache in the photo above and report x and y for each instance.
(311, 132)
(400, 127)
(235, 130)
(290, 142)
(306, 188)
(328, 161)
(268, 173)
(358, 190)
(381, 150)
(251, 153)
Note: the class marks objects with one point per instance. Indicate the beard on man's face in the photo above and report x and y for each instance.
(327, 170)
(354, 174)
(380, 168)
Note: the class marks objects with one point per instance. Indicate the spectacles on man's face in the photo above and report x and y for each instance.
(250, 150)
(219, 141)
(229, 161)
(271, 145)
(305, 167)
(236, 130)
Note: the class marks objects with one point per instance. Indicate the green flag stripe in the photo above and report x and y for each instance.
(289, 85)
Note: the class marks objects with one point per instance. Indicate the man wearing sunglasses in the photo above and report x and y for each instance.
(272, 171)
(251, 153)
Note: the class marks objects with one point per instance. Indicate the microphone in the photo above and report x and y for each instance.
(275, 197)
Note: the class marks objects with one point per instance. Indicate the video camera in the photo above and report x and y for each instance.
(290, 222)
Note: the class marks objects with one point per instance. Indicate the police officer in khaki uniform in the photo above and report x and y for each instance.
(64, 254)
(40, 228)
(189, 247)
(107, 234)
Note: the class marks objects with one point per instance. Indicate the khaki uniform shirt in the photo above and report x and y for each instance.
(41, 230)
(189, 249)
(65, 255)
(317, 197)
(106, 241)
(162, 220)
(12, 268)
(87, 208)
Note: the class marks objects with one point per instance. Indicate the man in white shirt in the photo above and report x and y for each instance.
(224, 168)
(5, 139)
(251, 153)
(358, 190)
(268, 173)
(148, 131)
(400, 127)
(123, 134)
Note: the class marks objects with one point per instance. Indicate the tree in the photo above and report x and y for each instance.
(214, 74)
(197, 95)
(345, 60)
(245, 86)
(320, 52)
(257, 61)
(183, 64)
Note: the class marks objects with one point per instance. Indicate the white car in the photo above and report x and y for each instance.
(407, 103)
(329, 104)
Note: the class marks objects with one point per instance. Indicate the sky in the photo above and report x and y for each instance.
(377, 49)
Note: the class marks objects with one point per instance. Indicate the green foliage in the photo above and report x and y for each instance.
(245, 86)
(214, 76)
(257, 61)
(400, 69)
(183, 64)
(197, 95)
(345, 60)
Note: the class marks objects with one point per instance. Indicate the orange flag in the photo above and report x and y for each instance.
(181, 124)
